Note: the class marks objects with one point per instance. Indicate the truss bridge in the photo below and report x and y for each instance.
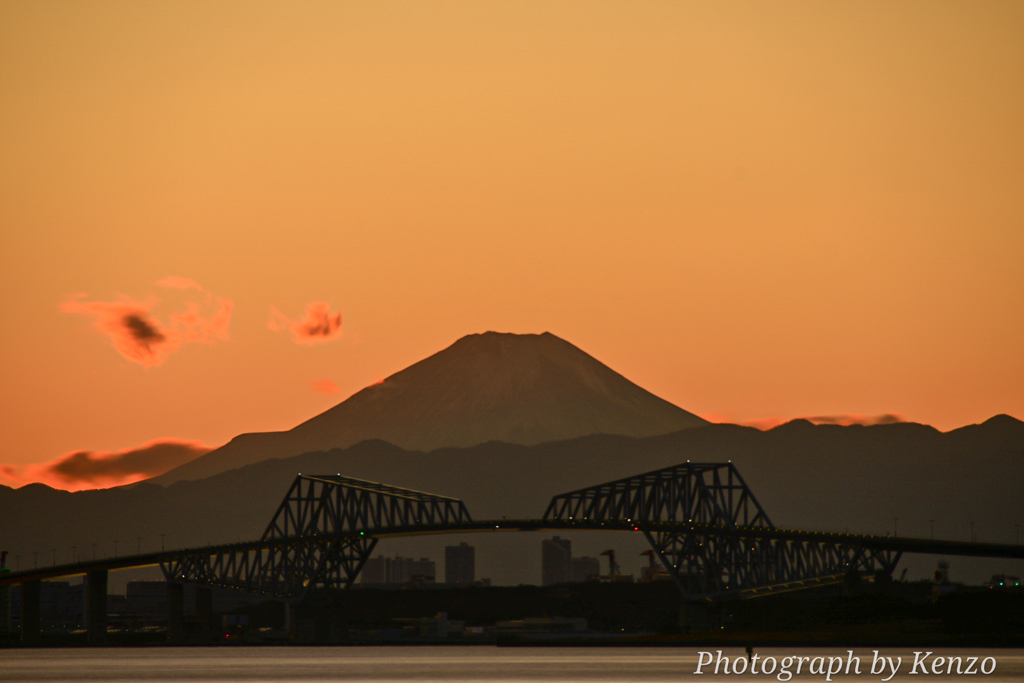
(320, 537)
(708, 530)
(713, 537)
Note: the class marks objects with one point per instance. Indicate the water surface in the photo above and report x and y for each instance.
(482, 664)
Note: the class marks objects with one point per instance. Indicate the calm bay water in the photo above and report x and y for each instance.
(425, 663)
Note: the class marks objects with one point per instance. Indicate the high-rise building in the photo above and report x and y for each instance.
(460, 564)
(398, 570)
(424, 570)
(555, 560)
(584, 568)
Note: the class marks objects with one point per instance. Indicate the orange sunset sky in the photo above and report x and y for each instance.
(752, 209)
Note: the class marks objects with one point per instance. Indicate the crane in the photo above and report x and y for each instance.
(649, 572)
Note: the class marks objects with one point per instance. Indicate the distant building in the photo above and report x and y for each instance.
(440, 626)
(555, 560)
(1003, 581)
(398, 570)
(584, 568)
(424, 570)
(147, 598)
(460, 564)
(116, 604)
(60, 605)
(5, 608)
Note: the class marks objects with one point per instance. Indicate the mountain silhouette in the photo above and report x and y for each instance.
(522, 389)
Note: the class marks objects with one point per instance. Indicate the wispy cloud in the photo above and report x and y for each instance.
(79, 470)
(854, 419)
(175, 282)
(129, 324)
(141, 337)
(325, 386)
(318, 326)
(846, 420)
(763, 423)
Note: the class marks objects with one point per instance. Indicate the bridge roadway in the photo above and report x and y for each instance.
(881, 543)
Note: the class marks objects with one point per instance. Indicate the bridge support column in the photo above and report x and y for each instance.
(204, 612)
(30, 613)
(175, 612)
(96, 606)
(5, 609)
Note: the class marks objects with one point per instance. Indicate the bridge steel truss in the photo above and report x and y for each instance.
(713, 537)
(320, 537)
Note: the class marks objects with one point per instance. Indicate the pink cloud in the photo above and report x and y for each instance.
(208, 329)
(135, 334)
(766, 423)
(80, 470)
(175, 282)
(854, 419)
(141, 337)
(325, 386)
(319, 325)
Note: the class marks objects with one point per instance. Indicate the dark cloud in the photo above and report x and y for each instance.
(319, 325)
(140, 337)
(142, 330)
(99, 469)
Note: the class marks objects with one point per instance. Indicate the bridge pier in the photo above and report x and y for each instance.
(30, 612)
(175, 612)
(204, 612)
(96, 606)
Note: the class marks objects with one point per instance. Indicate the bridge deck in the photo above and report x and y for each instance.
(893, 543)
